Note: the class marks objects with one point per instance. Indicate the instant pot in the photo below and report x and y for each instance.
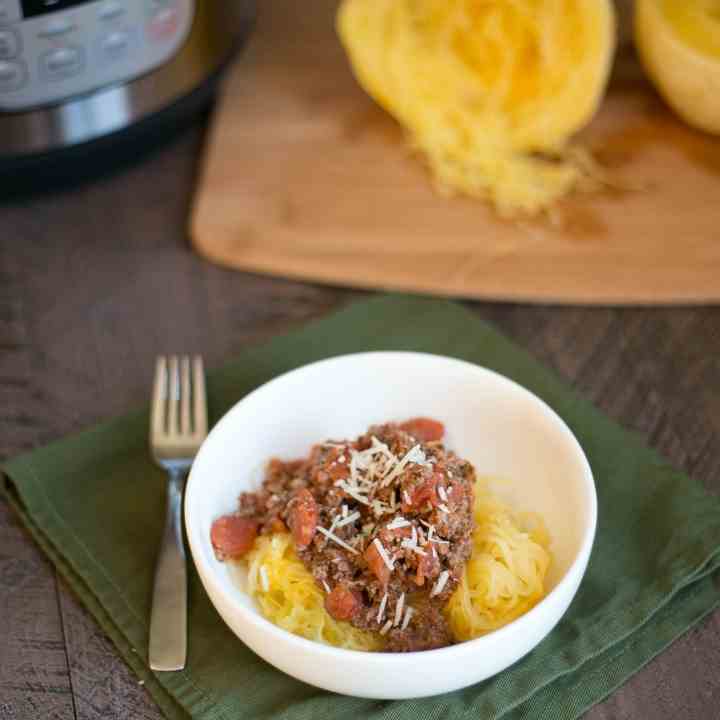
(80, 75)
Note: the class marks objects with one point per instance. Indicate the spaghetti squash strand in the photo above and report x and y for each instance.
(505, 576)
(291, 599)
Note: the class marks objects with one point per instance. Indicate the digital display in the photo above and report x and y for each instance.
(32, 8)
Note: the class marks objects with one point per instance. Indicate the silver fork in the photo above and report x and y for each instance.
(178, 425)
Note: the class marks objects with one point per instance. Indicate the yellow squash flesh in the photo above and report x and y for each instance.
(489, 91)
(679, 45)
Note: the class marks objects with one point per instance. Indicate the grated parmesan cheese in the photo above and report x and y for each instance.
(381, 609)
(440, 584)
(397, 523)
(348, 519)
(380, 508)
(265, 582)
(352, 492)
(408, 614)
(399, 610)
(383, 554)
(336, 540)
(413, 455)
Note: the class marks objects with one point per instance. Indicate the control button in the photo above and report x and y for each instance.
(9, 44)
(114, 45)
(111, 10)
(55, 27)
(13, 75)
(10, 11)
(164, 23)
(62, 62)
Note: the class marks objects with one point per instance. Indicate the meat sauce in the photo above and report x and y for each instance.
(383, 523)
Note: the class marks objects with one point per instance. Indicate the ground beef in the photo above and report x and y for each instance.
(383, 523)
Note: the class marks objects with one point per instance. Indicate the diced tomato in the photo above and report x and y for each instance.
(424, 429)
(233, 536)
(303, 518)
(338, 471)
(343, 603)
(377, 564)
(426, 491)
(427, 567)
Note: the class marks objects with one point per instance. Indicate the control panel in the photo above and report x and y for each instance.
(52, 50)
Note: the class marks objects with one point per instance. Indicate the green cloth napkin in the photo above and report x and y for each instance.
(95, 504)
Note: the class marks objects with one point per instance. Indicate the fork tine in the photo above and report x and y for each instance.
(199, 399)
(157, 410)
(185, 393)
(173, 395)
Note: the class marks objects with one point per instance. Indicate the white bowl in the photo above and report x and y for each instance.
(503, 429)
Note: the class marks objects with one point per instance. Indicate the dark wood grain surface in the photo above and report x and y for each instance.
(97, 280)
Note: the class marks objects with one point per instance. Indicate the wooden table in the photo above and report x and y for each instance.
(97, 280)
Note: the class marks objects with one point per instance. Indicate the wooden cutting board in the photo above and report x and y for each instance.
(306, 177)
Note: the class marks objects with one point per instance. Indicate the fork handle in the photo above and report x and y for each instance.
(168, 621)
